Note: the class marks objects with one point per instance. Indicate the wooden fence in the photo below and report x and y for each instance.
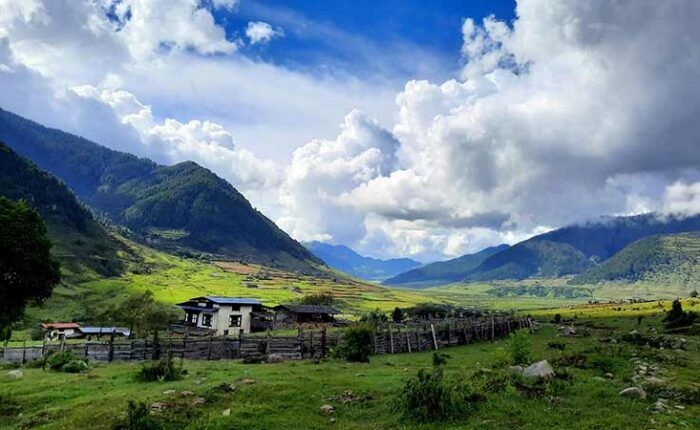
(388, 339)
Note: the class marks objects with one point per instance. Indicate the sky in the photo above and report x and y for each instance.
(398, 128)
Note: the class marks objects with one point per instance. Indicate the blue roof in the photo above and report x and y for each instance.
(233, 300)
(199, 309)
(104, 330)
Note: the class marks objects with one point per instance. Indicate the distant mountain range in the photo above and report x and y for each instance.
(80, 243)
(183, 208)
(444, 272)
(578, 249)
(342, 258)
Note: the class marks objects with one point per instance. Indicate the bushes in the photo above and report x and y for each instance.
(520, 348)
(676, 317)
(356, 344)
(63, 361)
(429, 396)
(138, 417)
(162, 370)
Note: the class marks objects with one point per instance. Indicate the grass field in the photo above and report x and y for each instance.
(289, 395)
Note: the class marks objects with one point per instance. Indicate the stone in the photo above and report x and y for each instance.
(569, 331)
(15, 374)
(247, 381)
(653, 380)
(660, 406)
(275, 358)
(226, 412)
(328, 409)
(199, 401)
(599, 379)
(169, 392)
(186, 393)
(633, 333)
(541, 370)
(158, 406)
(517, 369)
(609, 375)
(633, 392)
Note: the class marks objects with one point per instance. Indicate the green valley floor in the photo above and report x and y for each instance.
(290, 395)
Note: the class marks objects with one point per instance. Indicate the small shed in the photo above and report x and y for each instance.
(305, 313)
(59, 330)
(98, 332)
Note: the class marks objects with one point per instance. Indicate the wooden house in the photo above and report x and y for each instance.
(60, 330)
(222, 316)
(302, 314)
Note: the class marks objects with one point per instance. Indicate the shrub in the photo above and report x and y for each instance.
(162, 370)
(520, 347)
(676, 317)
(56, 360)
(429, 396)
(356, 344)
(326, 299)
(374, 317)
(138, 417)
(397, 315)
(557, 319)
(75, 366)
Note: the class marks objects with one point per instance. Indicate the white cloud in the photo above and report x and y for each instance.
(259, 32)
(682, 198)
(581, 109)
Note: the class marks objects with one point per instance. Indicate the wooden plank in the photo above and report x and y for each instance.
(435, 344)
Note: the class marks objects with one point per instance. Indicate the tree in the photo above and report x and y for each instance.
(397, 315)
(140, 313)
(28, 272)
(694, 293)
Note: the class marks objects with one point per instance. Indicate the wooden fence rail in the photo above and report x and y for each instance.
(388, 339)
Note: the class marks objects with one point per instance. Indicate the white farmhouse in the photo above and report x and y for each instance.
(222, 316)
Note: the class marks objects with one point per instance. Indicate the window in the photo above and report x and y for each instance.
(191, 317)
(206, 320)
(234, 321)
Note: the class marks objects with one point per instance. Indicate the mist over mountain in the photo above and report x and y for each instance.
(182, 208)
(346, 260)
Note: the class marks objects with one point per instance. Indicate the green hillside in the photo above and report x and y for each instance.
(444, 272)
(663, 259)
(532, 258)
(181, 208)
(83, 247)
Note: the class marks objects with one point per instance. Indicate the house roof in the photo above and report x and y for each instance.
(198, 309)
(310, 309)
(105, 330)
(60, 325)
(224, 300)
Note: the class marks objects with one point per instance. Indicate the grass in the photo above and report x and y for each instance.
(290, 394)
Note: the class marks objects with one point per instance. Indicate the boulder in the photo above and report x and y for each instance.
(186, 393)
(15, 374)
(568, 331)
(541, 370)
(199, 401)
(274, 358)
(327, 409)
(517, 369)
(169, 392)
(158, 406)
(226, 412)
(634, 393)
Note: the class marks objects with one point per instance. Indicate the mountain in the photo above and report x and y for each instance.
(573, 249)
(183, 208)
(444, 272)
(346, 260)
(81, 244)
(673, 258)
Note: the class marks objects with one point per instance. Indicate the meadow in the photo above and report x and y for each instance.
(228, 394)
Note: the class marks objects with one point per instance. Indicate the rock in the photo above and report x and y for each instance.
(633, 333)
(199, 401)
(541, 369)
(609, 375)
(247, 381)
(15, 374)
(328, 409)
(186, 393)
(169, 392)
(569, 331)
(332, 420)
(226, 412)
(599, 379)
(274, 358)
(158, 406)
(517, 369)
(633, 392)
(653, 380)
(660, 406)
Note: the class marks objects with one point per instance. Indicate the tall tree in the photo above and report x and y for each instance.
(28, 272)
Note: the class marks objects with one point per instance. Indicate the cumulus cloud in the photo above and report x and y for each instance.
(578, 109)
(259, 32)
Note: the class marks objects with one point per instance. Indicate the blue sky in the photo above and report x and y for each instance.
(392, 39)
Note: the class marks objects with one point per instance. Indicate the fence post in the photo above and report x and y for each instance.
(63, 342)
(110, 357)
(493, 328)
(391, 339)
(300, 339)
(435, 344)
(323, 342)
(209, 347)
(24, 352)
(184, 344)
(408, 341)
(418, 339)
(87, 349)
(449, 338)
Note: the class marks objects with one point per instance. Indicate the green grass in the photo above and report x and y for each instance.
(289, 395)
